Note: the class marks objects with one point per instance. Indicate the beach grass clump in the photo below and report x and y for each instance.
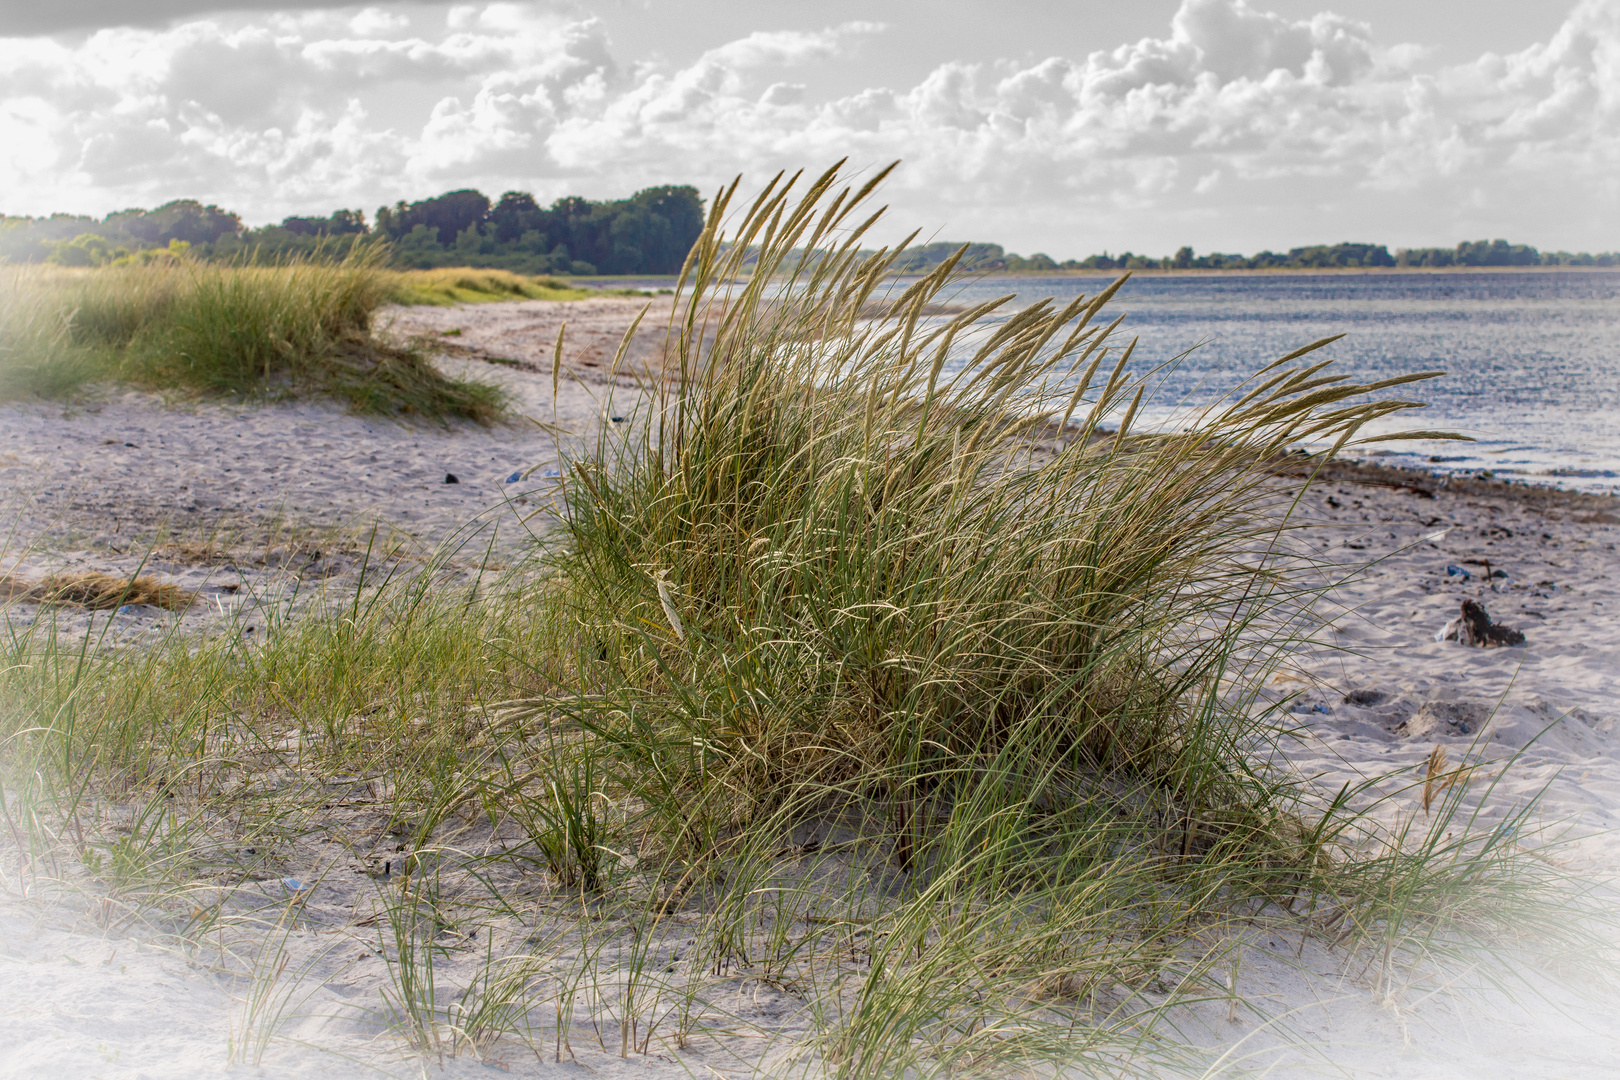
(861, 558)
(38, 356)
(916, 588)
(303, 327)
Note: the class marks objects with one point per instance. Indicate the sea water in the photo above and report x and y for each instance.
(1531, 359)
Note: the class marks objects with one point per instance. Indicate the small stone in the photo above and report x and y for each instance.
(451, 478)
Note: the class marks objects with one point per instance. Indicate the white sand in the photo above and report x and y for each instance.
(1558, 694)
(247, 504)
(525, 332)
(1386, 693)
(78, 1000)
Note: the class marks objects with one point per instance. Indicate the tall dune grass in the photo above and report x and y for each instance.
(960, 617)
(299, 328)
(840, 571)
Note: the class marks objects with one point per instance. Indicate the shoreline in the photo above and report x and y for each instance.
(1300, 271)
(1541, 498)
(1330, 271)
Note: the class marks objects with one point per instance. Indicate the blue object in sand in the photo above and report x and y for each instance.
(1453, 570)
(514, 478)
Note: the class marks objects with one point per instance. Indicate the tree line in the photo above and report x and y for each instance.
(648, 233)
(990, 257)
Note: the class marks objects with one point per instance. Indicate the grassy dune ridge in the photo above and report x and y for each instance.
(465, 285)
(306, 327)
(930, 701)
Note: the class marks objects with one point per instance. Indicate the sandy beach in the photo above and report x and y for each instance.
(239, 501)
(264, 506)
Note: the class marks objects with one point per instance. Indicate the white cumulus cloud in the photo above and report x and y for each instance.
(1236, 128)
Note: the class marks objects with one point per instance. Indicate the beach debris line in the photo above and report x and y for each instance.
(1473, 626)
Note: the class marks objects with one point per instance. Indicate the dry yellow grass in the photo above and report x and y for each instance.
(1437, 778)
(1433, 768)
(466, 285)
(96, 591)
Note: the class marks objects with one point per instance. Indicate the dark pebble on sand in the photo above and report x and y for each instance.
(450, 478)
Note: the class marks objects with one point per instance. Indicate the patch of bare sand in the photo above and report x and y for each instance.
(523, 334)
(1381, 690)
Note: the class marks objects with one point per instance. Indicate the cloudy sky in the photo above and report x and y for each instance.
(1067, 126)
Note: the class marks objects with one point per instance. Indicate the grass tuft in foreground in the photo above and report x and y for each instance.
(299, 328)
(901, 563)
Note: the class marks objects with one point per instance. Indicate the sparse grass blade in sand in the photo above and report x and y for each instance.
(304, 327)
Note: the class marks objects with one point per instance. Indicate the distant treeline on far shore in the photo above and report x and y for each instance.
(1316, 257)
(648, 233)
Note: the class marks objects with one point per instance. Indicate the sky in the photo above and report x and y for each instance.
(1063, 126)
